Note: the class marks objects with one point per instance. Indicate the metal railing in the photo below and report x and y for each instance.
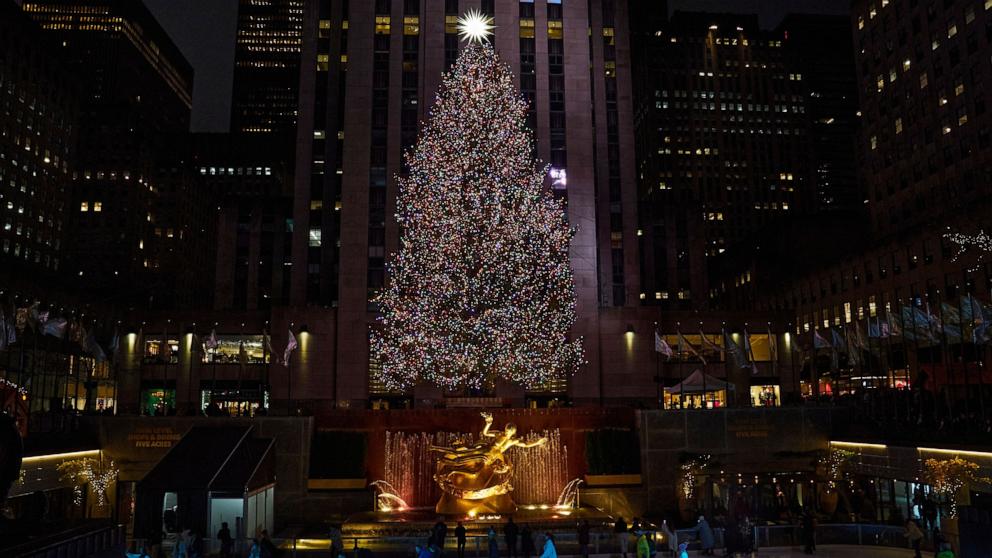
(87, 542)
(600, 542)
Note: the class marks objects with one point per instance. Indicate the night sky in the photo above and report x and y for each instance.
(205, 29)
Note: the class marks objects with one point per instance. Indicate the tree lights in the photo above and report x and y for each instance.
(481, 288)
(982, 241)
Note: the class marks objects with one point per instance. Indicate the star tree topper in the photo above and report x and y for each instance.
(475, 27)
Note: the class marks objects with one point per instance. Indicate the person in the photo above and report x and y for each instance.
(705, 535)
(809, 532)
(915, 537)
(256, 549)
(510, 533)
(182, 544)
(226, 542)
(670, 537)
(620, 532)
(439, 533)
(938, 541)
(945, 551)
(643, 547)
(493, 544)
(684, 550)
(526, 542)
(583, 536)
(428, 550)
(549, 547)
(460, 539)
(268, 548)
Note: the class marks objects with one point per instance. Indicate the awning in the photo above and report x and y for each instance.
(698, 382)
(212, 458)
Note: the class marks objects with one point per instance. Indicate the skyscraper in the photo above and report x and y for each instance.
(267, 66)
(724, 150)
(37, 147)
(134, 216)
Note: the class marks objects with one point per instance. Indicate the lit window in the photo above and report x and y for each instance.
(958, 89)
(411, 25)
(906, 64)
(382, 25)
(874, 142)
(898, 125)
(923, 80)
(315, 238)
(84, 206)
(316, 204)
(97, 206)
(952, 30)
(555, 29)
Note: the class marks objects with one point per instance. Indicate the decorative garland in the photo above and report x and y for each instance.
(948, 476)
(88, 470)
(12, 385)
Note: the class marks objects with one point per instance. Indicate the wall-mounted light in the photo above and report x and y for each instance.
(304, 329)
(630, 330)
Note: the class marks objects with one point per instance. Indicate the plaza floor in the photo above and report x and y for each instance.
(831, 551)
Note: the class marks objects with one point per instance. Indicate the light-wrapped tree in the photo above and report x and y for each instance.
(481, 288)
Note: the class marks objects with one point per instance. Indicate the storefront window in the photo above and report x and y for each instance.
(237, 349)
(705, 400)
(227, 398)
(709, 347)
(765, 396)
(160, 350)
(761, 347)
(158, 401)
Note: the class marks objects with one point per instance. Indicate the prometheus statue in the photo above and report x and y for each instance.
(475, 479)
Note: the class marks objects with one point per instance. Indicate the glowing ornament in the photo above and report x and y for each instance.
(982, 241)
(475, 27)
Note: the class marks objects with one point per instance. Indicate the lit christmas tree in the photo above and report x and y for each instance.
(481, 288)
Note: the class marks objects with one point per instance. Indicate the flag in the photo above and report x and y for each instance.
(852, 349)
(54, 327)
(661, 346)
(686, 346)
(895, 330)
(290, 347)
(115, 344)
(78, 334)
(709, 344)
(837, 342)
(818, 341)
(93, 348)
(859, 336)
(983, 332)
(735, 351)
(772, 346)
(749, 353)
(275, 357)
(8, 335)
(211, 342)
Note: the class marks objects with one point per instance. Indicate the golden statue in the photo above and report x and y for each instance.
(475, 479)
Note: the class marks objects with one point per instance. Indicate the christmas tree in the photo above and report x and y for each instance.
(481, 288)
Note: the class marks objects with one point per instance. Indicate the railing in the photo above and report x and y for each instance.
(600, 542)
(91, 542)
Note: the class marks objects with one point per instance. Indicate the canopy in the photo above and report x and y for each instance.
(698, 382)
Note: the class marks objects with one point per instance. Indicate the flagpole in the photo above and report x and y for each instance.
(213, 367)
(681, 379)
(289, 377)
(242, 357)
(194, 406)
(964, 362)
(117, 342)
(657, 367)
(167, 353)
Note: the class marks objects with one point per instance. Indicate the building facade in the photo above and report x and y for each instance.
(267, 66)
(370, 71)
(38, 126)
(723, 143)
(132, 212)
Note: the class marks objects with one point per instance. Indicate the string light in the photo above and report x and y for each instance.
(948, 476)
(7, 383)
(981, 241)
(82, 471)
(481, 289)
